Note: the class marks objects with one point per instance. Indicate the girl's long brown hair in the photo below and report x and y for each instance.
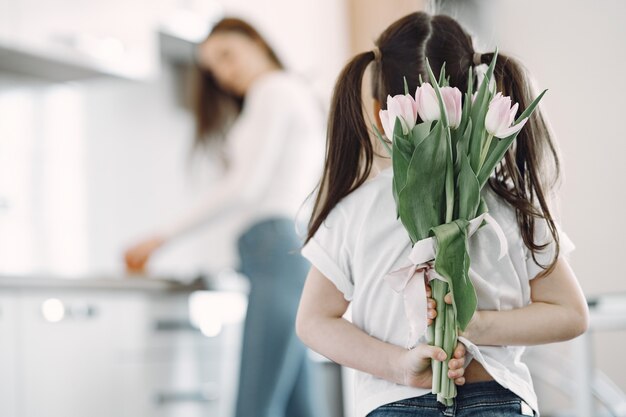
(530, 169)
(215, 108)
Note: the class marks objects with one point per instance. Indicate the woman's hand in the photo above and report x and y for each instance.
(137, 256)
(416, 365)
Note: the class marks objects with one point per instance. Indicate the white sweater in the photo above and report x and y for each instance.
(275, 150)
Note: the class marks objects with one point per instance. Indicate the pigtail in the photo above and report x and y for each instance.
(349, 152)
(531, 168)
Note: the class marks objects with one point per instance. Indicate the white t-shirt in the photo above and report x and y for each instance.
(362, 240)
(275, 150)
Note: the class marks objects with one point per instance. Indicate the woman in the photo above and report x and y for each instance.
(269, 128)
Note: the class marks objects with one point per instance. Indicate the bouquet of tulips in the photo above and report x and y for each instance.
(440, 166)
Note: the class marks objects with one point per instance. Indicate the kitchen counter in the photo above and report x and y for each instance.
(128, 283)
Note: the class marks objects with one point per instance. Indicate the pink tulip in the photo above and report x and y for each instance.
(427, 103)
(500, 117)
(401, 107)
(452, 100)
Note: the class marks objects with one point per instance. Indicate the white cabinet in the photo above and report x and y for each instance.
(69, 346)
(181, 372)
(104, 353)
(8, 355)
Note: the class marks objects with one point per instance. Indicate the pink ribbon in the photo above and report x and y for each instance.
(410, 281)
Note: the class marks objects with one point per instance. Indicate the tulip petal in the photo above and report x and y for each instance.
(384, 120)
(452, 100)
(505, 133)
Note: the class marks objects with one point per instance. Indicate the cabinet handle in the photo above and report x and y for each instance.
(176, 397)
(169, 325)
(54, 310)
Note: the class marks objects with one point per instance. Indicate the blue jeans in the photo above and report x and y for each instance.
(480, 399)
(275, 376)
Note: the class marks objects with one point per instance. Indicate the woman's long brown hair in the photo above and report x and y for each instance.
(215, 108)
(524, 179)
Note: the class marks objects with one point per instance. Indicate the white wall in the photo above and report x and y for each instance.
(576, 49)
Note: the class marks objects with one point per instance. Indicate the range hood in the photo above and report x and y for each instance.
(54, 62)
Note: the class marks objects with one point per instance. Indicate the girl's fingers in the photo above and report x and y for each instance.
(448, 298)
(433, 352)
(431, 313)
(455, 364)
(459, 351)
(456, 374)
(459, 381)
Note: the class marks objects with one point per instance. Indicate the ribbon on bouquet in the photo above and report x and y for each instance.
(410, 281)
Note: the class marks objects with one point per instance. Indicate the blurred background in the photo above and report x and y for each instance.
(95, 152)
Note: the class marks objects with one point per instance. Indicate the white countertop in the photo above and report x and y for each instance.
(132, 283)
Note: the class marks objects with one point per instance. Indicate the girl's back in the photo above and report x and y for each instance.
(362, 240)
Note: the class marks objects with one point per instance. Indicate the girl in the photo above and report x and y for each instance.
(531, 296)
(272, 131)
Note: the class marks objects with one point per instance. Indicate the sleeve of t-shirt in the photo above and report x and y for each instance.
(544, 257)
(329, 252)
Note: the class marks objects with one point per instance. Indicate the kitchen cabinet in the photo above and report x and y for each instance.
(122, 351)
(69, 346)
(8, 355)
(180, 372)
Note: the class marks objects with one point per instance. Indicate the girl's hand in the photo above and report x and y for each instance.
(137, 256)
(472, 327)
(431, 312)
(416, 365)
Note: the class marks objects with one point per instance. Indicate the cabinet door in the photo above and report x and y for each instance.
(8, 354)
(180, 372)
(68, 351)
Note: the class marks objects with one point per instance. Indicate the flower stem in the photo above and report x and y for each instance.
(449, 179)
(484, 151)
(438, 288)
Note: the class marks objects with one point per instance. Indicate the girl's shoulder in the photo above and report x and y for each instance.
(500, 209)
(371, 200)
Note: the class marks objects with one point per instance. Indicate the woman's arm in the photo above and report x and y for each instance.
(321, 326)
(558, 312)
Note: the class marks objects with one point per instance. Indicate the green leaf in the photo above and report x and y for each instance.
(467, 103)
(452, 262)
(381, 139)
(449, 182)
(406, 86)
(478, 113)
(442, 74)
(469, 190)
(499, 148)
(531, 107)
(442, 107)
(422, 200)
(401, 153)
(420, 132)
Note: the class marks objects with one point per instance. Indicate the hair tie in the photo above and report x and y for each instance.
(478, 58)
(377, 54)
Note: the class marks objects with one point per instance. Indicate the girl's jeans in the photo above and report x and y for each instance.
(481, 399)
